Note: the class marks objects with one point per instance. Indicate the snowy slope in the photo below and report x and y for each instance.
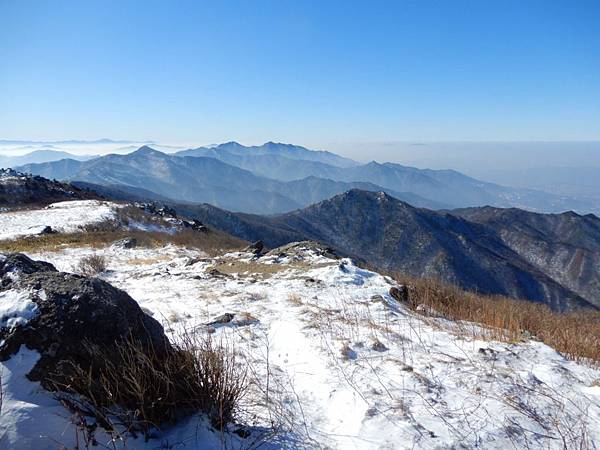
(63, 217)
(346, 366)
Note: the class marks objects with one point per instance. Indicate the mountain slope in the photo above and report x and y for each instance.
(447, 187)
(336, 361)
(565, 246)
(184, 179)
(39, 156)
(294, 152)
(256, 179)
(23, 190)
(390, 234)
(204, 179)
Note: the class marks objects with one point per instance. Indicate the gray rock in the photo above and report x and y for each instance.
(195, 225)
(299, 249)
(126, 243)
(256, 248)
(377, 298)
(222, 319)
(14, 265)
(47, 230)
(218, 274)
(378, 346)
(73, 310)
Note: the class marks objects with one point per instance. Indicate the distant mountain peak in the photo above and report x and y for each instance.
(146, 150)
(230, 144)
(279, 144)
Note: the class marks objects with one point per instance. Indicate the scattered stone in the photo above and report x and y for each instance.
(222, 319)
(255, 248)
(195, 260)
(299, 250)
(342, 267)
(154, 208)
(195, 225)
(378, 346)
(48, 230)
(214, 272)
(126, 243)
(377, 299)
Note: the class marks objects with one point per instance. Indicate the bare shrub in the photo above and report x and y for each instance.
(91, 265)
(130, 214)
(105, 226)
(139, 390)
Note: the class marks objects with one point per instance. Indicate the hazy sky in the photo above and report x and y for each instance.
(312, 73)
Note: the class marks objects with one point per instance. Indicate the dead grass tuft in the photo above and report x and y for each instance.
(92, 265)
(138, 390)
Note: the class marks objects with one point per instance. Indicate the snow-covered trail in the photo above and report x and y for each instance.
(352, 368)
(63, 217)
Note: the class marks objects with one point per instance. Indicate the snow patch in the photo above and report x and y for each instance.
(16, 308)
(410, 381)
(63, 217)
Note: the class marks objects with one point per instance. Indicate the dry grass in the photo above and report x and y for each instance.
(576, 334)
(92, 265)
(213, 242)
(132, 388)
(264, 270)
(250, 268)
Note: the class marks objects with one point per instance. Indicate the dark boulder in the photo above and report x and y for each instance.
(222, 319)
(14, 265)
(126, 243)
(401, 294)
(195, 225)
(256, 248)
(48, 230)
(73, 311)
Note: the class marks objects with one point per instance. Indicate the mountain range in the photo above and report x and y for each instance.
(40, 156)
(548, 258)
(276, 178)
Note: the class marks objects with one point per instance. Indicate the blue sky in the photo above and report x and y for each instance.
(312, 73)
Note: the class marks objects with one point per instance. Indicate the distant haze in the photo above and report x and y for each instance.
(476, 158)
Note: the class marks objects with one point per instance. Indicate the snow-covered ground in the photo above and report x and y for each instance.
(344, 366)
(63, 217)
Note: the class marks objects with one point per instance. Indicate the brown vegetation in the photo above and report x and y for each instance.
(133, 388)
(576, 335)
(101, 235)
(92, 265)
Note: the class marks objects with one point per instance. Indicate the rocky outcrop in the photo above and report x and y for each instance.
(300, 249)
(18, 189)
(385, 233)
(72, 311)
(255, 247)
